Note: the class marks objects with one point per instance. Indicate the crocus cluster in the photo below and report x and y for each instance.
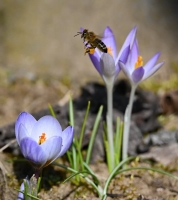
(107, 64)
(131, 63)
(42, 141)
(128, 59)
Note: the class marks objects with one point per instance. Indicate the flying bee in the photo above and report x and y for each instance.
(92, 39)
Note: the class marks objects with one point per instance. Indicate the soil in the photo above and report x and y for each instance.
(138, 184)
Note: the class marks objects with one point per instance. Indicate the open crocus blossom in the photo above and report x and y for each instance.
(132, 64)
(42, 141)
(112, 65)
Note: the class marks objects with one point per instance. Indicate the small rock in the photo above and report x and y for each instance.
(163, 154)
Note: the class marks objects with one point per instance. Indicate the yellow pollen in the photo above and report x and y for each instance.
(109, 49)
(92, 51)
(139, 62)
(42, 138)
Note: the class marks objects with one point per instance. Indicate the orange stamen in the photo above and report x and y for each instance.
(110, 51)
(42, 138)
(139, 62)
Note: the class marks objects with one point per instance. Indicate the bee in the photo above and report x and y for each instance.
(92, 39)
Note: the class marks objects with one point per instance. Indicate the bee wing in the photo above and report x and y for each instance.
(100, 36)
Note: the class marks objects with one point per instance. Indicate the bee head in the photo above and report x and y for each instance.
(84, 33)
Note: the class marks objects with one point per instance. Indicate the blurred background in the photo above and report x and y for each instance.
(41, 60)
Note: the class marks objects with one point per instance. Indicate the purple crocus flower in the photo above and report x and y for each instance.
(42, 141)
(107, 64)
(132, 64)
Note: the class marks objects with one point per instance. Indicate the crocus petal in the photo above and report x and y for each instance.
(137, 75)
(32, 151)
(124, 55)
(22, 133)
(48, 125)
(107, 65)
(110, 41)
(27, 120)
(130, 39)
(152, 70)
(95, 58)
(125, 70)
(151, 63)
(52, 148)
(128, 42)
(67, 139)
(134, 53)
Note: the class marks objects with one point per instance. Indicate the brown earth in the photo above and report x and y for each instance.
(138, 184)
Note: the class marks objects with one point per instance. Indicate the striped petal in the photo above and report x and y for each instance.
(152, 62)
(110, 41)
(137, 75)
(33, 152)
(152, 70)
(95, 58)
(128, 42)
(27, 120)
(48, 125)
(52, 147)
(67, 139)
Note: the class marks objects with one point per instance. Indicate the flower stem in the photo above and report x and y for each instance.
(127, 120)
(37, 173)
(109, 119)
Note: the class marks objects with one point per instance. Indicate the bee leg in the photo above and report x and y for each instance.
(90, 50)
(87, 50)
